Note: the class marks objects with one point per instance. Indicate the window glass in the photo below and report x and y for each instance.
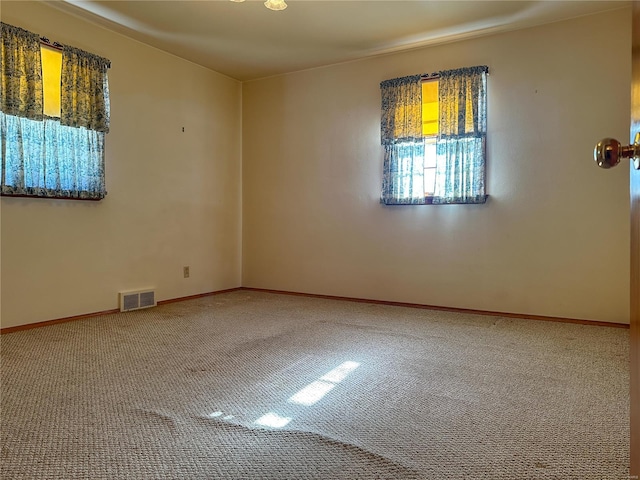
(51, 74)
(430, 108)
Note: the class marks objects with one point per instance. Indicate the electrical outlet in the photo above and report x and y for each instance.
(185, 271)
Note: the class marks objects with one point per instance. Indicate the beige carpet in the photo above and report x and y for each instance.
(174, 392)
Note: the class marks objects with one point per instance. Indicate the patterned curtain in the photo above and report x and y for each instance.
(21, 82)
(85, 90)
(401, 136)
(42, 156)
(461, 142)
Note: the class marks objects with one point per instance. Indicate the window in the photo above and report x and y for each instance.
(433, 131)
(54, 114)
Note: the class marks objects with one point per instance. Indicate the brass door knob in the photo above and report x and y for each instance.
(609, 151)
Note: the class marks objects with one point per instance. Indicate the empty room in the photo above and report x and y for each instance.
(320, 240)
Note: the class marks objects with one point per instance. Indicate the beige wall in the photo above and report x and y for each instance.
(174, 198)
(553, 238)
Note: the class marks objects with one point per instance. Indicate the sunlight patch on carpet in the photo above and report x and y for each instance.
(272, 420)
(312, 393)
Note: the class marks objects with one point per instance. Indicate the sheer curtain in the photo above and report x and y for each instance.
(43, 156)
(401, 137)
(461, 142)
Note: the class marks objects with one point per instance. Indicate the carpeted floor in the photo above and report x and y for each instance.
(250, 385)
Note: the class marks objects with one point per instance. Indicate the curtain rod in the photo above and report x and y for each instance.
(433, 76)
(55, 45)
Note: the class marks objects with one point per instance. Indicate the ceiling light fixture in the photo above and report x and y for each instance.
(275, 4)
(270, 4)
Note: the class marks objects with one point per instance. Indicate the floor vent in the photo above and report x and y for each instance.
(135, 300)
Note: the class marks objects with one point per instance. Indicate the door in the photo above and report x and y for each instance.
(635, 251)
(608, 154)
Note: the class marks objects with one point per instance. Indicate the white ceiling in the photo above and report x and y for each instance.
(247, 41)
